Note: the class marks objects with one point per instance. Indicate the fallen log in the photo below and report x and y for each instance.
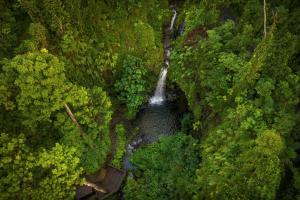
(96, 187)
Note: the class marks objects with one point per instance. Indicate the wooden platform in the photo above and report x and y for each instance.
(111, 182)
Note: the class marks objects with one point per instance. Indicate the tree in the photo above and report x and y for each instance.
(34, 86)
(243, 92)
(132, 85)
(165, 170)
(43, 174)
(265, 20)
(234, 166)
(93, 112)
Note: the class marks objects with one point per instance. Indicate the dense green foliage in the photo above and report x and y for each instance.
(59, 61)
(165, 169)
(29, 175)
(132, 84)
(34, 87)
(243, 92)
(67, 66)
(121, 146)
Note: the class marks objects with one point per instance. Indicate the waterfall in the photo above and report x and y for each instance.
(173, 19)
(159, 95)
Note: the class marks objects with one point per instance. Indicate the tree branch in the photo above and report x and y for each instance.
(265, 20)
(96, 187)
(73, 118)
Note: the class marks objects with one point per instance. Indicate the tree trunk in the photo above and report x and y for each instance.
(73, 118)
(265, 20)
(96, 187)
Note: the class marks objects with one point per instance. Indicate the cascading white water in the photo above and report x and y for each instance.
(173, 18)
(159, 95)
(155, 121)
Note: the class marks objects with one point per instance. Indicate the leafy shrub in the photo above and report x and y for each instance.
(132, 85)
(166, 169)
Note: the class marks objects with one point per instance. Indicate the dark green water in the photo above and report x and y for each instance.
(156, 120)
(153, 121)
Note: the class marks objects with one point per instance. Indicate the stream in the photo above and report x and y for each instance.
(159, 117)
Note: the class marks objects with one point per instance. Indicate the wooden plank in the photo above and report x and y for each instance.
(111, 182)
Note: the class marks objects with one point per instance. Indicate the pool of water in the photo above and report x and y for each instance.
(153, 122)
(156, 120)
